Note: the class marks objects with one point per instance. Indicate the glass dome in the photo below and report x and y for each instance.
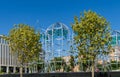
(57, 30)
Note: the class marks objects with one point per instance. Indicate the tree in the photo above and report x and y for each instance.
(24, 43)
(92, 36)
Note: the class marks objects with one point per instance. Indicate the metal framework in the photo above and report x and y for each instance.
(115, 56)
(57, 41)
(113, 59)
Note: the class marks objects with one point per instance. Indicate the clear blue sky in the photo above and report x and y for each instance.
(51, 11)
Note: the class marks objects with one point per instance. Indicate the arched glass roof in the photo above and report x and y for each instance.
(57, 29)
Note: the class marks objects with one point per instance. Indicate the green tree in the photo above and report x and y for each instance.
(24, 43)
(92, 36)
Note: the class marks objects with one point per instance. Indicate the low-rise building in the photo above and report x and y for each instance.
(8, 61)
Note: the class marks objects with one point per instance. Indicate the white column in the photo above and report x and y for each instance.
(14, 69)
(2, 55)
(5, 54)
(29, 70)
(25, 69)
(33, 69)
(7, 69)
(9, 56)
(0, 69)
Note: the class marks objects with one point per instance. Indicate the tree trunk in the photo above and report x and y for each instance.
(93, 70)
(21, 71)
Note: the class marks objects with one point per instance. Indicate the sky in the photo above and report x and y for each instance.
(43, 13)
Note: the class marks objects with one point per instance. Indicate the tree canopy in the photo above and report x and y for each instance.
(25, 43)
(92, 36)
